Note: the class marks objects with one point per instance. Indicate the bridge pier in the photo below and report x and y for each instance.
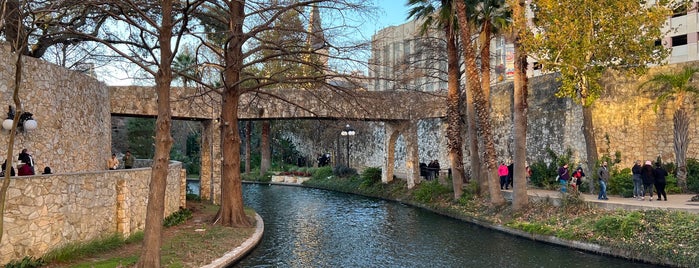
(409, 131)
(210, 181)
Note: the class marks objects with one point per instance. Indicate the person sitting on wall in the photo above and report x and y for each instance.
(128, 160)
(47, 171)
(23, 169)
(4, 165)
(112, 163)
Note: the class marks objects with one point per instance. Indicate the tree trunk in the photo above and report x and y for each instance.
(265, 149)
(520, 198)
(589, 134)
(681, 124)
(231, 212)
(152, 239)
(248, 138)
(13, 132)
(454, 115)
(482, 110)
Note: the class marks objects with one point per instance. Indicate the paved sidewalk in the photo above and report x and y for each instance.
(678, 202)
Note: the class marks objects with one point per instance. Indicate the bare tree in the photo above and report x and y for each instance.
(150, 38)
(233, 48)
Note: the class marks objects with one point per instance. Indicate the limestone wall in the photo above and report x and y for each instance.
(46, 211)
(73, 133)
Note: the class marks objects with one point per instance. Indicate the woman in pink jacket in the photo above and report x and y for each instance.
(503, 172)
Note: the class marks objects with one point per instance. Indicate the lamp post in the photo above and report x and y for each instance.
(348, 131)
(26, 121)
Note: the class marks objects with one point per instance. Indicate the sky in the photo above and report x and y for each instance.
(391, 13)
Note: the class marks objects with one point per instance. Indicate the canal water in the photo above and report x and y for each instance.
(315, 228)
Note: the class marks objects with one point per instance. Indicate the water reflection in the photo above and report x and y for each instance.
(316, 228)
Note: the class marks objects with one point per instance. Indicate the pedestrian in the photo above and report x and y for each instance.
(578, 175)
(648, 180)
(659, 174)
(113, 162)
(128, 160)
(563, 177)
(603, 174)
(510, 174)
(503, 172)
(637, 181)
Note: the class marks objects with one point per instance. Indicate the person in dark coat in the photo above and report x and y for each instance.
(648, 179)
(659, 175)
(4, 167)
(637, 182)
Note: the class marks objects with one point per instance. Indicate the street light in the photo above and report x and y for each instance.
(348, 131)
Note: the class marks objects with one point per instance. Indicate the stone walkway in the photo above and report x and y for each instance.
(678, 202)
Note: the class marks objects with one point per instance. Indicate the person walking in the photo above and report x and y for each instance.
(563, 177)
(648, 180)
(637, 182)
(603, 174)
(503, 172)
(659, 175)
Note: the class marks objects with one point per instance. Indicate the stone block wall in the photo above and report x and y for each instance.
(73, 133)
(47, 211)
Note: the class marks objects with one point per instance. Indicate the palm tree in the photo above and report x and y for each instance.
(679, 89)
(443, 16)
(521, 199)
(184, 66)
(480, 101)
(490, 17)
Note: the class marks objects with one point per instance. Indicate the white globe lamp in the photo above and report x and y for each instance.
(7, 124)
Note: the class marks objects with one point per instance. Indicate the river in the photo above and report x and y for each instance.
(316, 228)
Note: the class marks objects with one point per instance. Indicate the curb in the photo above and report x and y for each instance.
(240, 251)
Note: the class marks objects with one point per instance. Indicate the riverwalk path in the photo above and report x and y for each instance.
(678, 202)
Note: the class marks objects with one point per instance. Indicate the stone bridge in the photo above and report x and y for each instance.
(399, 110)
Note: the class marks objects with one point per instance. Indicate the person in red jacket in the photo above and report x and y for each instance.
(503, 172)
(24, 170)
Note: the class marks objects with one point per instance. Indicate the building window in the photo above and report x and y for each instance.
(679, 11)
(679, 40)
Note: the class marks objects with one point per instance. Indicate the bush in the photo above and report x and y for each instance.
(428, 191)
(343, 171)
(371, 176)
(621, 183)
(178, 217)
(322, 173)
(544, 174)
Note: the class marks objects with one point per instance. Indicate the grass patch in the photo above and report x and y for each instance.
(80, 250)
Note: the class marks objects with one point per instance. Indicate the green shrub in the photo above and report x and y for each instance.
(322, 173)
(544, 174)
(178, 217)
(193, 197)
(621, 183)
(370, 176)
(428, 191)
(671, 185)
(26, 262)
(619, 225)
(343, 171)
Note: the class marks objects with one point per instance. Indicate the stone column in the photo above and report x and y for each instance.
(392, 133)
(412, 161)
(206, 171)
